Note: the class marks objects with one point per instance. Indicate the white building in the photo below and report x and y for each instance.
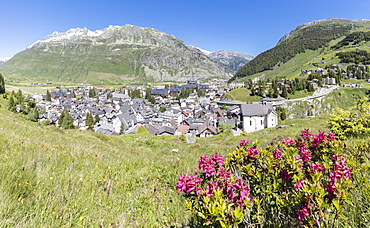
(256, 117)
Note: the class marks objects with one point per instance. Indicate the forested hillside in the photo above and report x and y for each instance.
(312, 38)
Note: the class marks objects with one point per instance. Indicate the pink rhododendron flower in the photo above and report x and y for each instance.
(277, 154)
(216, 158)
(340, 169)
(305, 154)
(288, 141)
(223, 174)
(316, 167)
(299, 184)
(306, 134)
(188, 184)
(243, 143)
(205, 164)
(252, 152)
(302, 213)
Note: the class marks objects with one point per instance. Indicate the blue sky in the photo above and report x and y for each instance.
(245, 26)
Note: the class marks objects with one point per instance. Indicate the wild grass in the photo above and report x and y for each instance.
(61, 178)
(70, 178)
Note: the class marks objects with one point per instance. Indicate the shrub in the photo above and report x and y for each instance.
(215, 196)
(302, 181)
(351, 123)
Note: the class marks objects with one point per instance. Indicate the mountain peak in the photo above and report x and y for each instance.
(114, 33)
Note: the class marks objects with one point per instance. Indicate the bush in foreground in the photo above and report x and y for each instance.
(297, 182)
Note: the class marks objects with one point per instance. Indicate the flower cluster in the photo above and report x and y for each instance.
(189, 184)
(294, 177)
(277, 153)
(321, 137)
(243, 143)
(299, 184)
(213, 182)
(252, 152)
(316, 167)
(338, 172)
(304, 211)
(209, 165)
(233, 188)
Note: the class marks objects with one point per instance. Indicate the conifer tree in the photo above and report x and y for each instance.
(33, 115)
(48, 96)
(122, 129)
(97, 118)
(284, 92)
(89, 121)
(11, 104)
(2, 84)
(65, 120)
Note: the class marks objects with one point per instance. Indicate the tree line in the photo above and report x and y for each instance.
(354, 38)
(357, 57)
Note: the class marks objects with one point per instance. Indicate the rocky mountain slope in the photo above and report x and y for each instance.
(230, 61)
(110, 55)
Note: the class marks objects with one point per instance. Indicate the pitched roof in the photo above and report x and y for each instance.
(166, 129)
(151, 129)
(257, 109)
(206, 126)
(183, 128)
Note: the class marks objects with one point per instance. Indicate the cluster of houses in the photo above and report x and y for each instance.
(117, 113)
(317, 71)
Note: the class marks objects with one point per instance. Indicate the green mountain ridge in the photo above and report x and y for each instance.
(112, 55)
(306, 44)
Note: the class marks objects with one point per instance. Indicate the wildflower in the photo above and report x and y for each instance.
(316, 167)
(306, 134)
(223, 174)
(277, 153)
(216, 158)
(305, 154)
(288, 141)
(302, 213)
(340, 169)
(243, 143)
(212, 185)
(205, 165)
(252, 152)
(189, 184)
(299, 184)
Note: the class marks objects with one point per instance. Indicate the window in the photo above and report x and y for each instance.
(261, 122)
(250, 122)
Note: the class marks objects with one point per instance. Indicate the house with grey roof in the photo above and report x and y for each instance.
(206, 130)
(256, 117)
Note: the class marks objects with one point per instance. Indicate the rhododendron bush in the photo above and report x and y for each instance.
(296, 182)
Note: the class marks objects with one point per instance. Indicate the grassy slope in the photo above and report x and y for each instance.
(55, 178)
(89, 65)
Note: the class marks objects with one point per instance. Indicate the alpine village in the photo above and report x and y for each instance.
(130, 127)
